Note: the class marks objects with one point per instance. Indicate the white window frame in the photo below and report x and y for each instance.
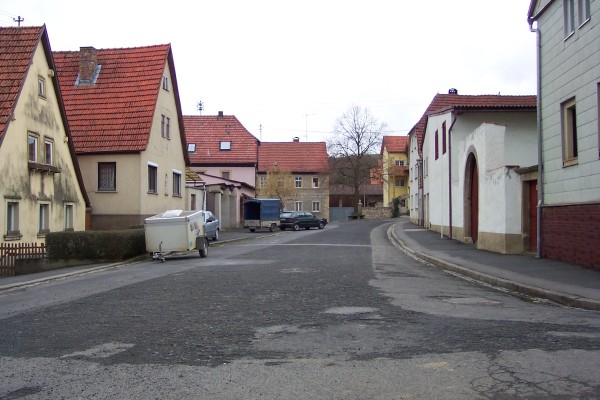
(298, 182)
(583, 10)
(191, 147)
(32, 140)
(315, 182)
(297, 206)
(225, 145)
(44, 218)
(69, 215)
(49, 151)
(42, 87)
(569, 132)
(316, 206)
(12, 218)
(177, 183)
(263, 181)
(152, 183)
(569, 17)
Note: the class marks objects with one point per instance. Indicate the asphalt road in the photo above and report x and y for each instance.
(338, 313)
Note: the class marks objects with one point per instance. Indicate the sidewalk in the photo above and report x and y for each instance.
(563, 283)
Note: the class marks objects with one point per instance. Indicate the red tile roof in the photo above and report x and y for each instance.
(395, 144)
(17, 46)
(208, 131)
(116, 113)
(295, 157)
(457, 102)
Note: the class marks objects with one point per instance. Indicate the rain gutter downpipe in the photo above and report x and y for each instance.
(540, 181)
(450, 174)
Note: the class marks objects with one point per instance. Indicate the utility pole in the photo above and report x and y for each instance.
(306, 127)
(18, 20)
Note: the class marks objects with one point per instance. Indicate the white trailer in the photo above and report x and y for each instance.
(175, 230)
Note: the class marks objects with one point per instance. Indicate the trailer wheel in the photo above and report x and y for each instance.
(252, 229)
(204, 249)
(271, 227)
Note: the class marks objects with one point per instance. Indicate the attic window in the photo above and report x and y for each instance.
(191, 147)
(165, 83)
(225, 146)
(41, 87)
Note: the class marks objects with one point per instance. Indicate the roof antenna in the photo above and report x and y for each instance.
(260, 130)
(18, 20)
(200, 107)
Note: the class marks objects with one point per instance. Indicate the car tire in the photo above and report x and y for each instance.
(296, 227)
(321, 225)
(252, 229)
(204, 249)
(216, 237)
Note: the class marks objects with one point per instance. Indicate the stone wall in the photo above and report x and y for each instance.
(377, 212)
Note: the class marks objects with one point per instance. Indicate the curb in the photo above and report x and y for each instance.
(554, 296)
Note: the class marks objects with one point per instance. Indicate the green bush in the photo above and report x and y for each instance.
(395, 207)
(95, 245)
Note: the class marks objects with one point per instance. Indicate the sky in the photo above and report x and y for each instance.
(291, 69)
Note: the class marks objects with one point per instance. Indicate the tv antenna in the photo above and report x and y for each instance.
(306, 126)
(18, 20)
(200, 107)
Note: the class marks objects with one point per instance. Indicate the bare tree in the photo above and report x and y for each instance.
(357, 135)
(279, 185)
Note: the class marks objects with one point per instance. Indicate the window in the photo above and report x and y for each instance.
(298, 182)
(165, 127)
(583, 11)
(437, 152)
(569, 132)
(298, 206)
(165, 83)
(152, 178)
(41, 87)
(32, 142)
(316, 206)
(107, 176)
(68, 217)
(315, 182)
(12, 218)
(444, 137)
(48, 146)
(400, 182)
(176, 183)
(191, 147)
(225, 174)
(44, 224)
(569, 16)
(263, 181)
(399, 163)
(225, 146)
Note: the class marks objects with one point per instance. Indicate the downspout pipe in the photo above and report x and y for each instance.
(450, 174)
(540, 181)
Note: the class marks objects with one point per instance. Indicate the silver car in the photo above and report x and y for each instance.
(211, 225)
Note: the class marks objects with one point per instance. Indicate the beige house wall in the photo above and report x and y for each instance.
(32, 187)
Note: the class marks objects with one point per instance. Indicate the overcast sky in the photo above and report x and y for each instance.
(295, 67)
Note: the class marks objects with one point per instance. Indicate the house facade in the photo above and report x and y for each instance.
(41, 187)
(224, 153)
(478, 154)
(299, 167)
(568, 55)
(125, 116)
(395, 180)
(415, 180)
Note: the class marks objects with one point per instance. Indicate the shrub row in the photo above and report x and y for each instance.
(95, 245)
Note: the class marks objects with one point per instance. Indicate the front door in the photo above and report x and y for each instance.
(474, 201)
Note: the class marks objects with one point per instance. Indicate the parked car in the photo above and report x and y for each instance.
(300, 219)
(211, 226)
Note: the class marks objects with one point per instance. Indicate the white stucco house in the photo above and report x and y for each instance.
(568, 52)
(478, 153)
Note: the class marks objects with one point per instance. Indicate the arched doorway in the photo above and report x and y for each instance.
(471, 205)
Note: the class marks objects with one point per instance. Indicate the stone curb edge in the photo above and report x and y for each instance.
(557, 297)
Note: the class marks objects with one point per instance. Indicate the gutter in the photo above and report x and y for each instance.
(540, 182)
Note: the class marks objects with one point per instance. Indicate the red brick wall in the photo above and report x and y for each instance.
(572, 234)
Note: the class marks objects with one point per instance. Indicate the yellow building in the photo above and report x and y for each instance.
(41, 187)
(394, 153)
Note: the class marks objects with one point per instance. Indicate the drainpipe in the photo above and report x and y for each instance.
(450, 173)
(540, 182)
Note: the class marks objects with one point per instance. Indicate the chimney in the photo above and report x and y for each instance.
(452, 91)
(88, 60)
(220, 114)
(296, 139)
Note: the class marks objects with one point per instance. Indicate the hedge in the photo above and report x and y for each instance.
(95, 245)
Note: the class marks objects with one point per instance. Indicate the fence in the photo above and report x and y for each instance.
(11, 252)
